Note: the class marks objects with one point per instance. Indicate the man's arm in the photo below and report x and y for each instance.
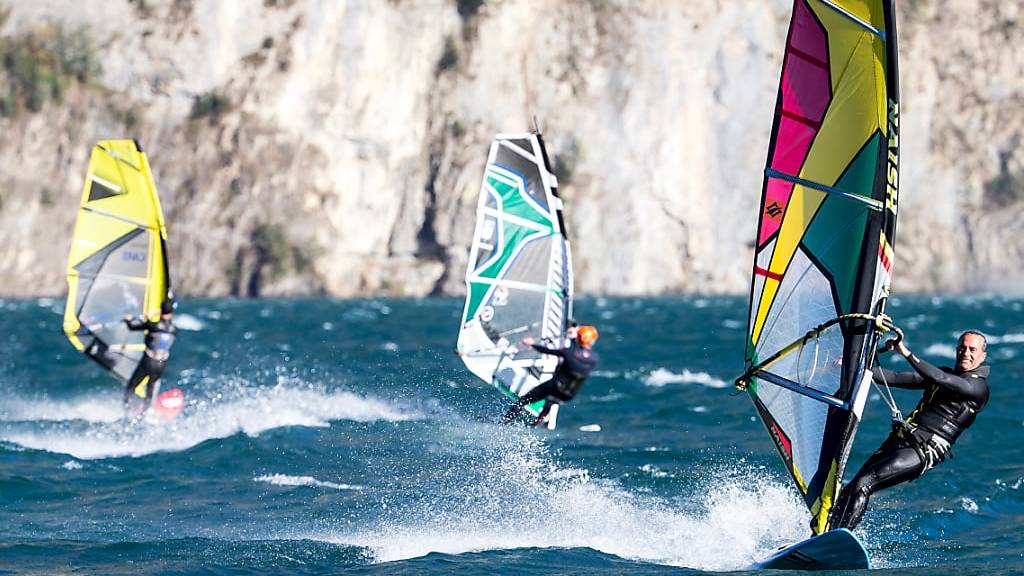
(904, 380)
(546, 350)
(136, 322)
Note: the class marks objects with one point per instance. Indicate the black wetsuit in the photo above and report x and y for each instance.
(159, 339)
(576, 365)
(949, 406)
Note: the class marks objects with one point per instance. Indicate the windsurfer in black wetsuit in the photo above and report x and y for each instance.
(160, 336)
(952, 399)
(577, 361)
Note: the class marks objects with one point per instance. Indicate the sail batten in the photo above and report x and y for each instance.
(519, 273)
(137, 224)
(803, 390)
(823, 252)
(854, 18)
(867, 201)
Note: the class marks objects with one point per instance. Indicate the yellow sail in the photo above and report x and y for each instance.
(117, 265)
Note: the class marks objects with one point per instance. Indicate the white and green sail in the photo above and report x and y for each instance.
(519, 277)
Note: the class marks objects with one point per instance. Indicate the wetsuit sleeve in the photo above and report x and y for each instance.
(546, 350)
(137, 323)
(905, 380)
(969, 387)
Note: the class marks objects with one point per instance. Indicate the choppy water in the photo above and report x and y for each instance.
(344, 437)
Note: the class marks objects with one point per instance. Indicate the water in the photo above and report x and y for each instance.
(345, 437)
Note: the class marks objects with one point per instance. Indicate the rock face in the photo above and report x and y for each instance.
(305, 147)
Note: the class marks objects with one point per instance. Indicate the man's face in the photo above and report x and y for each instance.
(970, 352)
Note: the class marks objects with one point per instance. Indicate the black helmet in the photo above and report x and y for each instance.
(169, 304)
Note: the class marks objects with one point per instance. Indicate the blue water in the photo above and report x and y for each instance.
(345, 437)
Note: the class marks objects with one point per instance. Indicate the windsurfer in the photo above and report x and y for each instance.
(578, 360)
(951, 401)
(160, 336)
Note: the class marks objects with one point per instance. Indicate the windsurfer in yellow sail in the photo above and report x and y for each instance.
(952, 399)
(160, 336)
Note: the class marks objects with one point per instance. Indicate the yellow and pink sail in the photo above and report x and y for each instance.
(823, 255)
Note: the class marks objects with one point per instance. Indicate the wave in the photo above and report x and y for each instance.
(101, 408)
(949, 351)
(730, 528)
(285, 480)
(188, 322)
(1014, 338)
(506, 491)
(95, 427)
(661, 377)
(941, 350)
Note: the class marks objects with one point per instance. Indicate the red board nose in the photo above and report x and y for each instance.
(170, 403)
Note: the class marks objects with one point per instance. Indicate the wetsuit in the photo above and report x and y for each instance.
(576, 365)
(159, 339)
(949, 406)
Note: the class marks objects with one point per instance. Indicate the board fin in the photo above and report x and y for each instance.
(552, 420)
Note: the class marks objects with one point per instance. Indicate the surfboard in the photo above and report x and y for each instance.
(834, 550)
(169, 404)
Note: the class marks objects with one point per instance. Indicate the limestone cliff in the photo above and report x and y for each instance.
(305, 147)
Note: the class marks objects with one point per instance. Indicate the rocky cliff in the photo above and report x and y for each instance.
(305, 147)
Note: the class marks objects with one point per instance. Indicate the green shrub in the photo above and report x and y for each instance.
(565, 163)
(209, 104)
(41, 64)
(449, 57)
(1006, 188)
(273, 250)
(468, 8)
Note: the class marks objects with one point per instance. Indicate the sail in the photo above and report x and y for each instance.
(519, 277)
(824, 245)
(117, 265)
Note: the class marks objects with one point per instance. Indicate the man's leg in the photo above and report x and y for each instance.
(544, 412)
(538, 393)
(137, 377)
(155, 368)
(895, 462)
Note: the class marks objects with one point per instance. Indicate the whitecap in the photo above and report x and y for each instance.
(661, 377)
(285, 480)
(1013, 338)
(654, 472)
(736, 519)
(188, 322)
(95, 427)
(941, 350)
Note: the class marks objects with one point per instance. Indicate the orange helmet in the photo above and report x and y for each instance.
(586, 335)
